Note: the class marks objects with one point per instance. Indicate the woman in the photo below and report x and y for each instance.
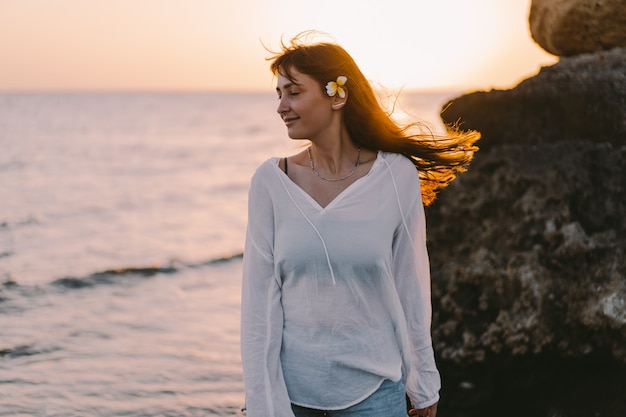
(336, 287)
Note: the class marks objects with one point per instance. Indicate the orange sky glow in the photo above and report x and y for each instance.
(206, 45)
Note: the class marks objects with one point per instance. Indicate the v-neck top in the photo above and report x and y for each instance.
(336, 299)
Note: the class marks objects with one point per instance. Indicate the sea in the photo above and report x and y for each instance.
(122, 222)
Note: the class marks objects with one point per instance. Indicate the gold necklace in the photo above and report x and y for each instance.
(348, 175)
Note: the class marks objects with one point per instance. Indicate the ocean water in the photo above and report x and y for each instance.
(122, 220)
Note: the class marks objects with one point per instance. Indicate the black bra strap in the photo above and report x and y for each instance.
(286, 169)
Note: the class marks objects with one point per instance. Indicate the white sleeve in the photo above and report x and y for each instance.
(262, 313)
(412, 276)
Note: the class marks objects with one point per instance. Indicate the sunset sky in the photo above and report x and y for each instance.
(218, 44)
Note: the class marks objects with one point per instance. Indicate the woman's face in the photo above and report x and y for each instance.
(303, 106)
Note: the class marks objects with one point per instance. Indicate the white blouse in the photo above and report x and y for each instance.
(337, 299)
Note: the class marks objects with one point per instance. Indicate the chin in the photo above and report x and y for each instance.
(295, 136)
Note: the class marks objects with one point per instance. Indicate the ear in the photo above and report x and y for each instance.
(339, 102)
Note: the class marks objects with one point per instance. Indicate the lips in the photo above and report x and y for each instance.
(289, 120)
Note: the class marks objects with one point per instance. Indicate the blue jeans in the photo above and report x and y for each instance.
(388, 400)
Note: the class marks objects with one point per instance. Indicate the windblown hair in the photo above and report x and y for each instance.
(438, 158)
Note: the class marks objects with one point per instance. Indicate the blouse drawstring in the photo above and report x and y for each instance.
(332, 272)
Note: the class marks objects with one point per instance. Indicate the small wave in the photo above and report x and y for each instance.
(24, 350)
(9, 289)
(30, 220)
(108, 276)
(12, 290)
(6, 284)
(8, 280)
(215, 261)
(111, 276)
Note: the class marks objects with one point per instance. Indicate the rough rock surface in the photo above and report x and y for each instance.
(528, 253)
(571, 27)
(529, 282)
(578, 98)
(528, 248)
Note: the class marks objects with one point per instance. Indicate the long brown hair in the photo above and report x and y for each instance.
(438, 158)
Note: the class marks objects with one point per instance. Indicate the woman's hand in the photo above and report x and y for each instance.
(424, 412)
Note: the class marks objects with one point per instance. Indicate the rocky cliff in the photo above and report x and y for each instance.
(528, 247)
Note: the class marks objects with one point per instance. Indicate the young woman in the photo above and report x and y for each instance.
(336, 306)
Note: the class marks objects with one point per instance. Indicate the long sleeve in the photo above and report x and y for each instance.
(412, 276)
(262, 313)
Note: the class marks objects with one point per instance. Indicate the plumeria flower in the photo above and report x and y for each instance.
(334, 87)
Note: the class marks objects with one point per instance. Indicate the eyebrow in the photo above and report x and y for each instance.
(287, 86)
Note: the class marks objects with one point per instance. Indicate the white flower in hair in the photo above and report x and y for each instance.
(334, 87)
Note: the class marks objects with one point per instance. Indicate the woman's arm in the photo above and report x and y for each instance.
(262, 314)
(412, 276)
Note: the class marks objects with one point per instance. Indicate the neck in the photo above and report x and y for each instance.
(335, 155)
(335, 161)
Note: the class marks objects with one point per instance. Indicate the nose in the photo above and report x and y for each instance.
(282, 107)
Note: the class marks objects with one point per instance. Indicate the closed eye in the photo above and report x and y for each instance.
(291, 93)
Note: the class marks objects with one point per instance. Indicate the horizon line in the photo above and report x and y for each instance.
(434, 90)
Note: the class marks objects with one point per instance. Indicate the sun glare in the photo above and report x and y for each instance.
(423, 45)
(194, 44)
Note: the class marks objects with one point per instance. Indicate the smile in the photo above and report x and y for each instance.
(290, 120)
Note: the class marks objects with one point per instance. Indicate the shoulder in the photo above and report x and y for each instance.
(400, 164)
(264, 179)
(266, 170)
(262, 186)
(268, 165)
(404, 176)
